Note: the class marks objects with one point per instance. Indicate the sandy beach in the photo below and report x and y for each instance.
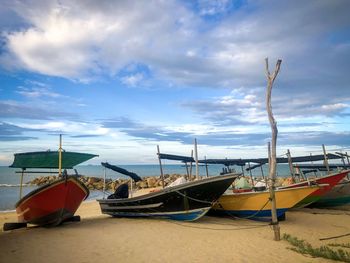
(100, 238)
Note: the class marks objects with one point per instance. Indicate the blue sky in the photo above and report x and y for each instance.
(119, 77)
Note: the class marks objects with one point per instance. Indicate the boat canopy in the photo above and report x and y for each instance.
(49, 159)
(242, 162)
(184, 159)
(117, 169)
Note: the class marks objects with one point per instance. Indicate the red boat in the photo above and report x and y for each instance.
(328, 181)
(52, 203)
(55, 202)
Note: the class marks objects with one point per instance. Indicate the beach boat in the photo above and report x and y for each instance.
(185, 202)
(337, 196)
(257, 205)
(329, 182)
(55, 202)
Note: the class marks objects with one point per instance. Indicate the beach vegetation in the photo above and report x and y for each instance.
(303, 247)
(344, 245)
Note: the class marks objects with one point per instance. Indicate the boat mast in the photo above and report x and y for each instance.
(60, 157)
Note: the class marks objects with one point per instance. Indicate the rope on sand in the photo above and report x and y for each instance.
(327, 238)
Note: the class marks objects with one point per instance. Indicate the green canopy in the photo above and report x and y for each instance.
(49, 159)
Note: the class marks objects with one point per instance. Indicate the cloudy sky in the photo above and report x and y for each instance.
(119, 77)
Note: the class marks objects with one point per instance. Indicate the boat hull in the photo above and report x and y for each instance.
(185, 202)
(337, 196)
(328, 181)
(53, 203)
(256, 205)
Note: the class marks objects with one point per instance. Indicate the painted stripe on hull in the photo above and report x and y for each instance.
(189, 215)
(106, 207)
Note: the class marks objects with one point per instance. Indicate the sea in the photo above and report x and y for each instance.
(10, 180)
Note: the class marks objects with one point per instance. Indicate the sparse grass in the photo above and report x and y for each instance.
(303, 247)
(345, 245)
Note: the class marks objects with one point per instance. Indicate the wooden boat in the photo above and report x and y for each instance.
(53, 203)
(339, 195)
(257, 205)
(185, 202)
(330, 181)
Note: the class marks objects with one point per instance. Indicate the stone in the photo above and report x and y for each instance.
(151, 182)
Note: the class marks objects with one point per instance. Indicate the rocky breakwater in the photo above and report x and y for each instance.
(96, 183)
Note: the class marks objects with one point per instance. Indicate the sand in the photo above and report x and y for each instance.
(100, 238)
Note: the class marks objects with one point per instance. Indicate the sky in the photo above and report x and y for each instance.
(118, 78)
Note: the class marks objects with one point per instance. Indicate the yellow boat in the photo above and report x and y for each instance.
(256, 205)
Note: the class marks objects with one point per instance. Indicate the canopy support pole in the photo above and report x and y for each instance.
(196, 158)
(325, 159)
(187, 172)
(206, 166)
(250, 174)
(161, 168)
(60, 157)
(291, 168)
(104, 183)
(190, 179)
(21, 184)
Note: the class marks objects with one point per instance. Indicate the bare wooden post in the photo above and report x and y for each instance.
(291, 168)
(21, 185)
(206, 166)
(196, 158)
(161, 168)
(104, 183)
(325, 159)
(187, 172)
(272, 173)
(190, 178)
(250, 174)
(60, 157)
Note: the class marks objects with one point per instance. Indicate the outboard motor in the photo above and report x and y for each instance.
(122, 191)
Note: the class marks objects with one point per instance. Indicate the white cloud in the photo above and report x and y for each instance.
(132, 80)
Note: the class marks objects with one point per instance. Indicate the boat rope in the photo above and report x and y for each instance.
(244, 217)
(327, 238)
(194, 199)
(217, 229)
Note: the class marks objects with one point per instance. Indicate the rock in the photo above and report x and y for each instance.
(151, 182)
(142, 184)
(91, 180)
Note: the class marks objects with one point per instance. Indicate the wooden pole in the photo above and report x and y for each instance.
(206, 166)
(190, 179)
(250, 174)
(21, 184)
(196, 158)
(291, 168)
(104, 182)
(325, 159)
(262, 171)
(187, 172)
(60, 157)
(161, 168)
(272, 173)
